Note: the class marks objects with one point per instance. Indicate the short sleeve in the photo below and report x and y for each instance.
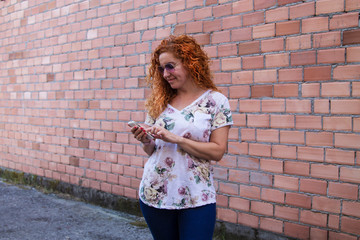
(223, 116)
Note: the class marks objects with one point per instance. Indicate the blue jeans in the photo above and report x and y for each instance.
(185, 224)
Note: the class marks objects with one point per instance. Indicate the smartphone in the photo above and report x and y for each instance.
(133, 124)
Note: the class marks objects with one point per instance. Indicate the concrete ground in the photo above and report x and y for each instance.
(28, 214)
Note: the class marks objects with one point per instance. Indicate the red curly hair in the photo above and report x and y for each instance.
(193, 58)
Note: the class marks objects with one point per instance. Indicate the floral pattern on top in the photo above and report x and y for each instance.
(172, 178)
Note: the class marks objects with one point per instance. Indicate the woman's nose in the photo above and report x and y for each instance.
(166, 73)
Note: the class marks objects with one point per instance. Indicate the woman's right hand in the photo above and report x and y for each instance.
(140, 134)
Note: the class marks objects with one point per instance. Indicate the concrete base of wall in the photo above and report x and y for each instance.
(223, 230)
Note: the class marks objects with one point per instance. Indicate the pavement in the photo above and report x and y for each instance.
(28, 214)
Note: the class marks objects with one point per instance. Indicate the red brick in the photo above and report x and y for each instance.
(220, 37)
(272, 45)
(298, 106)
(272, 225)
(331, 56)
(329, 6)
(311, 154)
(320, 234)
(229, 188)
(285, 182)
(270, 165)
(302, 10)
(340, 156)
(261, 150)
(335, 90)
(353, 54)
(273, 105)
(247, 134)
(253, 62)
(313, 218)
(253, 18)
(262, 31)
(240, 91)
(342, 236)
(248, 220)
(351, 37)
(261, 179)
(296, 230)
(337, 123)
(283, 151)
(232, 22)
(260, 91)
(258, 120)
(248, 163)
(287, 28)
(249, 106)
(265, 76)
(227, 50)
(296, 168)
(346, 72)
(252, 192)
(239, 176)
(298, 200)
(333, 221)
(262, 208)
(238, 148)
(277, 14)
(262, 4)
(315, 24)
(324, 171)
(350, 225)
(303, 58)
(313, 186)
(249, 48)
(277, 60)
(272, 195)
(308, 122)
(319, 139)
(299, 42)
(330, 39)
(343, 190)
(288, 213)
(352, 5)
(242, 77)
(241, 34)
(292, 137)
(345, 20)
(351, 106)
(282, 121)
(239, 204)
(351, 208)
(321, 106)
(290, 75)
(326, 204)
(348, 174)
(317, 73)
(284, 2)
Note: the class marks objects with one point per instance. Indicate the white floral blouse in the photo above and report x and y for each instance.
(174, 179)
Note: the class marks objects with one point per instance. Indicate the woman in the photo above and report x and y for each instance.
(189, 120)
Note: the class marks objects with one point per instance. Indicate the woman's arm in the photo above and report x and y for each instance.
(212, 150)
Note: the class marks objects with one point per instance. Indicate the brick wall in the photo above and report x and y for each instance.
(72, 74)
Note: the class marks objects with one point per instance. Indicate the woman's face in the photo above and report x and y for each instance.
(174, 71)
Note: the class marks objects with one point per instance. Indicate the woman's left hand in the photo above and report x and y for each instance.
(163, 134)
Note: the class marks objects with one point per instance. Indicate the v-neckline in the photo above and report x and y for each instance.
(192, 103)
